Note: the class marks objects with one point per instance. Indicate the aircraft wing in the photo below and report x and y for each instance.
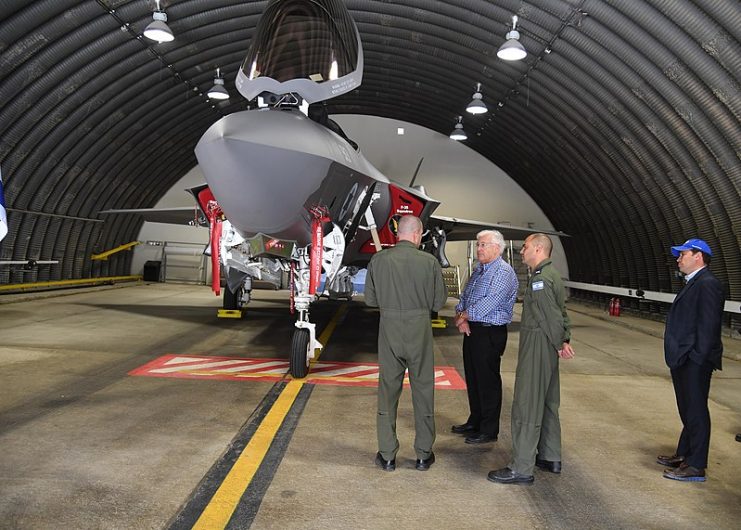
(184, 215)
(466, 230)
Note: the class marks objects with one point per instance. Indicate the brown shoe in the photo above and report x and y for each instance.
(686, 473)
(670, 461)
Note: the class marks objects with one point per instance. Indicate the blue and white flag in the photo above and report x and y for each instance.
(3, 215)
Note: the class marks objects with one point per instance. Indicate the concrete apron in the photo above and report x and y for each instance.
(84, 445)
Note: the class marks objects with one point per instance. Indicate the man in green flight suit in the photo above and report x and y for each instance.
(406, 284)
(545, 332)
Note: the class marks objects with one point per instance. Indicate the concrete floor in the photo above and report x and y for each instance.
(84, 445)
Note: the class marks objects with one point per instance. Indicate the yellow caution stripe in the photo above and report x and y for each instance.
(225, 500)
(68, 283)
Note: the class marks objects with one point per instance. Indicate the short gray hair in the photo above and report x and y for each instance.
(543, 241)
(495, 235)
(409, 224)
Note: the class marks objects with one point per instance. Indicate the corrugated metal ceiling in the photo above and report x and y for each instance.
(627, 134)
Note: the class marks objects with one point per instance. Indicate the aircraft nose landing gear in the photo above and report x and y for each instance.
(304, 342)
(324, 253)
(299, 363)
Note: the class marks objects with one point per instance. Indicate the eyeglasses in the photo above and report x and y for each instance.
(484, 245)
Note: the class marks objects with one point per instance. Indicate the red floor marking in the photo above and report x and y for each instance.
(239, 369)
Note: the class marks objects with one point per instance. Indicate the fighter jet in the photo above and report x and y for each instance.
(287, 191)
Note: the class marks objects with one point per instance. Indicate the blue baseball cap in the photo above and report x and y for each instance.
(692, 244)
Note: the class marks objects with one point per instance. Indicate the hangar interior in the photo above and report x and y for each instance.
(621, 123)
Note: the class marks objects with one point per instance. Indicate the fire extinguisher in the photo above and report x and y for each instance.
(611, 307)
(616, 310)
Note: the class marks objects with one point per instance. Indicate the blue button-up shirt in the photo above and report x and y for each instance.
(490, 293)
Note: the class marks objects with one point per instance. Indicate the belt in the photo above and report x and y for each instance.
(485, 325)
(404, 313)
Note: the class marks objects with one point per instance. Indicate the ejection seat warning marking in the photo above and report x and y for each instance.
(239, 369)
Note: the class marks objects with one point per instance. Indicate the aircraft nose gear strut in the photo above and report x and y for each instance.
(325, 254)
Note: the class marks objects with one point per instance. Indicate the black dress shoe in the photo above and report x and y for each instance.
(424, 464)
(554, 466)
(738, 437)
(465, 428)
(670, 461)
(480, 438)
(507, 476)
(386, 465)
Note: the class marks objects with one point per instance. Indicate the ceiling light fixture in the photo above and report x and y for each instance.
(477, 106)
(158, 30)
(218, 91)
(512, 49)
(458, 133)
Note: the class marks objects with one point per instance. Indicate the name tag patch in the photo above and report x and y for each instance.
(538, 286)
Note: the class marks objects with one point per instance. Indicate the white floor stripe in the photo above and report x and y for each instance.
(344, 371)
(180, 360)
(255, 367)
(189, 367)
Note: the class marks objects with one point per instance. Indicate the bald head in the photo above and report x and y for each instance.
(409, 224)
(410, 229)
(542, 240)
(537, 248)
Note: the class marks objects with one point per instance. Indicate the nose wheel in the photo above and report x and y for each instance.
(299, 361)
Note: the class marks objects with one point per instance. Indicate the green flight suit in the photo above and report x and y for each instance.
(406, 284)
(545, 326)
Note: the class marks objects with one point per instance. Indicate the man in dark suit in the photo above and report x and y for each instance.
(693, 349)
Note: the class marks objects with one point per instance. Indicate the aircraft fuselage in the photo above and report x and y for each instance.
(267, 168)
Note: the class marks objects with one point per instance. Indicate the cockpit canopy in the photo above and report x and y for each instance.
(308, 47)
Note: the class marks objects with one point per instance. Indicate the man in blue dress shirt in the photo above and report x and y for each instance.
(482, 316)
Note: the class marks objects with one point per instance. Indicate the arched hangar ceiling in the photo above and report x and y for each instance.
(626, 134)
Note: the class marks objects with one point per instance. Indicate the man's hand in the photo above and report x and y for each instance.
(461, 322)
(566, 352)
(463, 327)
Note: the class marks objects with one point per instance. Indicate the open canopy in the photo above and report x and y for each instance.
(306, 47)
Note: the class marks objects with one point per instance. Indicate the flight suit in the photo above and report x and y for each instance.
(545, 326)
(406, 284)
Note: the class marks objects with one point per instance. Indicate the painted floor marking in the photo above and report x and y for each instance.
(239, 369)
(219, 511)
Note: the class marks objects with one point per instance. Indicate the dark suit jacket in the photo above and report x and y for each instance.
(694, 321)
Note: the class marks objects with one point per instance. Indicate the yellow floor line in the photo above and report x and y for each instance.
(324, 337)
(225, 500)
